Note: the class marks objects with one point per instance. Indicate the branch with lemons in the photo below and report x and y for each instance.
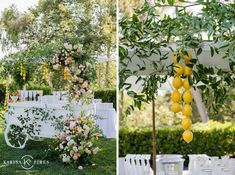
(182, 103)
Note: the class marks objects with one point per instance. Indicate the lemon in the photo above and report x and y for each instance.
(187, 58)
(187, 136)
(186, 123)
(187, 71)
(186, 84)
(181, 53)
(187, 110)
(175, 107)
(175, 96)
(178, 69)
(188, 97)
(177, 82)
(175, 58)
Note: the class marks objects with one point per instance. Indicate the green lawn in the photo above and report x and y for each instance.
(105, 161)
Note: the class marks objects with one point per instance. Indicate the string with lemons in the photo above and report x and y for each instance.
(46, 72)
(6, 95)
(22, 70)
(180, 72)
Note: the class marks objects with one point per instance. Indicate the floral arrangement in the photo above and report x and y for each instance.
(77, 70)
(76, 141)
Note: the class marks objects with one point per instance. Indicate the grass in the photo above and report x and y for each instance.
(105, 160)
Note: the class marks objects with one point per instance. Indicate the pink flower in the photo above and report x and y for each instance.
(75, 157)
(72, 124)
(68, 46)
(86, 130)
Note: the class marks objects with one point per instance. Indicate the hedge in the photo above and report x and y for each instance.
(108, 96)
(213, 139)
(47, 90)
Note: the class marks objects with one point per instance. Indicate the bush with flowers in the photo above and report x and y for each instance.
(76, 141)
(77, 66)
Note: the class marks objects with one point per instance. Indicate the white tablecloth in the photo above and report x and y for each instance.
(107, 121)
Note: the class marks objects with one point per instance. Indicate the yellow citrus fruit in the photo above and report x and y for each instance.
(175, 107)
(177, 82)
(187, 136)
(175, 58)
(187, 96)
(187, 57)
(187, 71)
(175, 96)
(186, 123)
(178, 69)
(187, 110)
(181, 53)
(186, 84)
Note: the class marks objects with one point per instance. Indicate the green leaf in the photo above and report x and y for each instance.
(212, 51)
(171, 2)
(199, 51)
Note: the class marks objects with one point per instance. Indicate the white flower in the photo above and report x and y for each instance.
(75, 149)
(72, 124)
(96, 150)
(87, 151)
(80, 167)
(68, 138)
(75, 46)
(89, 144)
(71, 142)
(61, 146)
(71, 153)
(65, 158)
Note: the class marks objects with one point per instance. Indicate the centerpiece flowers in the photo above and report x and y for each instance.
(76, 141)
(77, 68)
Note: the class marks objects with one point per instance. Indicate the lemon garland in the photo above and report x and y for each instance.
(183, 71)
(46, 72)
(6, 96)
(22, 71)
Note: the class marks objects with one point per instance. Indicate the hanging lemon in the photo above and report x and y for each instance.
(188, 97)
(186, 84)
(177, 82)
(186, 123)
(187, 136)
(187, 71)
(176, 97)
(175, 58)
(187, 110)
(178, 69)
(187, 58)
(175, 107)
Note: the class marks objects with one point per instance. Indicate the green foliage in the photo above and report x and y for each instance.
(146, 33)
(47, 90)
(108, 96)
(213, 139)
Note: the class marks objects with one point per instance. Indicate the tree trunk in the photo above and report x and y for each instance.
(154, 138)
(107, 75)
(99, 74)
(107, 68)
(200, 105)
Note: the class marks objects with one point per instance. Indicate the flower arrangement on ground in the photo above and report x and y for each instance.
(77, 66)
(76, 141)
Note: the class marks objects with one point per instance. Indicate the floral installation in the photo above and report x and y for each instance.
(76, 141)
(77, 69)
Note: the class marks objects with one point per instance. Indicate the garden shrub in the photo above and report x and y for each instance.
(47, 90)
(108, 96)
(213, 139)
